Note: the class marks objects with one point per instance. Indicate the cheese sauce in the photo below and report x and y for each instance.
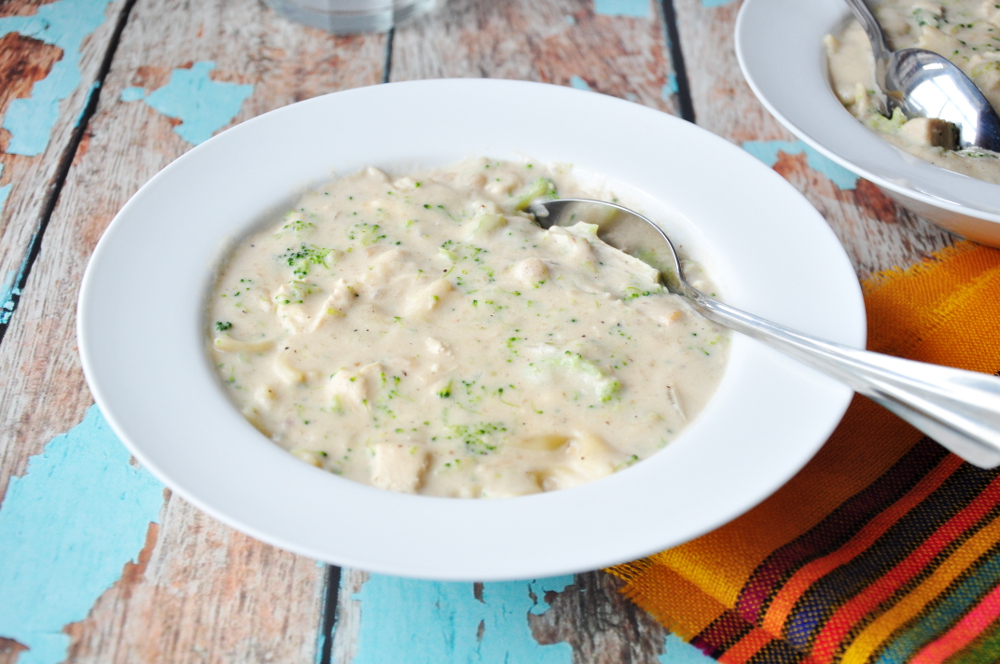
(424, 335)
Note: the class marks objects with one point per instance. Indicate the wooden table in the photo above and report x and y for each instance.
(100, 563)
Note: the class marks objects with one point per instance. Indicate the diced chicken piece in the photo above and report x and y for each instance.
(285, 371)
(848, 55)
(376, 174)
(485, 224)
(504, 184)
(664, 310)
(586, 458)
(407, 183)
(265, 301)
(590, 456)
(385, 266)
(576, 249)
(476, 180)
(541, 443)
(426, 299)
(335, 306)
(561, 477)
(990, 12)
(265, 396)
(398, 466)
(342, 297)
(507, 482)
(294, 305)
(531, 272)
(348, 389)
(930, 132)
(436, 347)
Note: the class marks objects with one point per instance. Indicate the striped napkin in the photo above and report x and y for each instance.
(885, 547)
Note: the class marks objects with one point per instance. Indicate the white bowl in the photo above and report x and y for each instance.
(142, 329)
(779, 44)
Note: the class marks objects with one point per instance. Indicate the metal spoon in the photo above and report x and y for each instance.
(923, 84)
(959, 409)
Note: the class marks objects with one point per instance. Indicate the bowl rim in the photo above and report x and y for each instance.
(796, 27)
(230, 471)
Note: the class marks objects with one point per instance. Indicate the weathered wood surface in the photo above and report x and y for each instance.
(876, 233)
(559, 41)
(37, 63)
(200, 591)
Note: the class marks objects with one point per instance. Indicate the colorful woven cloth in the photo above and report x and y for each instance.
(884, 548)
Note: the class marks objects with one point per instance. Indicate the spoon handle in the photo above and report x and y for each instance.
(872, 28)
(959, 409)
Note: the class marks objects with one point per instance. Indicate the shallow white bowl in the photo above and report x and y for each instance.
(779, 44)
(142, 328)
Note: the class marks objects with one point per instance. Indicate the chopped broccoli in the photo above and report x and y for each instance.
(301, 259)
(542, 187)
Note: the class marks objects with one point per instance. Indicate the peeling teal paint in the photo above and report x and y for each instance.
(767, 152)
(715, 3)
(67, 529)
(65, 24)
(422, 622)
(202, 105)
(578, 83)
(7, 293)
(538, 587)
(677, 651)
(636, 8)
(320, 643)
(670, 87)
(133, 94)
(86, 102)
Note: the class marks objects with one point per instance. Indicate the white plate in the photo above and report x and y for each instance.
(142, 329)
(779, 44)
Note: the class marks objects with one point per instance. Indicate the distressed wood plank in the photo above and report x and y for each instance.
(876, 233)
(559, 41)
(43, 48)
(198, 591)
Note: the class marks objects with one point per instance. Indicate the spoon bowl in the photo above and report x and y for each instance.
(959, 409)
(928, 85)
(924, 84)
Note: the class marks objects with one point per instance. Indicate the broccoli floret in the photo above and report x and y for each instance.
(301, 259)
(879, 122)
(540, 188)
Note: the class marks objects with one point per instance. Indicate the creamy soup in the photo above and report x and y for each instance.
(967, 32)
(422, 334)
